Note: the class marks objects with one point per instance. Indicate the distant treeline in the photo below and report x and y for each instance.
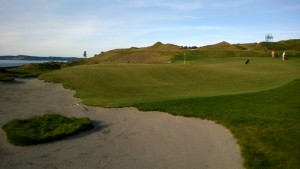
(49, 58)
(189, 47)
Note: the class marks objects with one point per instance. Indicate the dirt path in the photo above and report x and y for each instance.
(123, 138)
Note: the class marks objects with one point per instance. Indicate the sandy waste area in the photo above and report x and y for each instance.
(123, 138)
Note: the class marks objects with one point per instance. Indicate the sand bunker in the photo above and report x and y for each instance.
(124, 138)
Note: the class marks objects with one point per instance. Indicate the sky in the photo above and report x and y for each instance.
(70, 27)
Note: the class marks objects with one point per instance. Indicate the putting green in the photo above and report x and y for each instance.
(117, 85)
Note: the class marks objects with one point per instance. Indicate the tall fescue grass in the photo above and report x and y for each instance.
(35, 69)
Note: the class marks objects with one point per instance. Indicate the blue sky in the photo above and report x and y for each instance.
(68, 27)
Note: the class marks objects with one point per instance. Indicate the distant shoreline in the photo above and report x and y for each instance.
(16, 63)
(48, 58)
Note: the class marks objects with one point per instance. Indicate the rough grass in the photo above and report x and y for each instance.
(221, 45)
(292, 44)
(35, 69)
(28, 70)
(132, 56)
(41, 129)
(5, 75)
(266, 123)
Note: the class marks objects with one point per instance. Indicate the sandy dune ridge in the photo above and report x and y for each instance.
(124, 138)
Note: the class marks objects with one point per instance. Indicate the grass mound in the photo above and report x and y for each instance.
(157, 53)
(163, 47)
(28, 70)
(4, 75)
(221, 45)
(46, 128)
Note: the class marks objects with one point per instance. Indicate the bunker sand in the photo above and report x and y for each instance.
(123, 137)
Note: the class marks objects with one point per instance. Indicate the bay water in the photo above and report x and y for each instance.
(13, 63)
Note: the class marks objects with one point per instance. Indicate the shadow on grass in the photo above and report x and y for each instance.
(99, 126)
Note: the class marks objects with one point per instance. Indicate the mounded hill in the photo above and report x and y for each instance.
(163, 47)
(244, 46)
(156, 53)
(251, 46)
(165, 53)
(221, 45)
(292, 44)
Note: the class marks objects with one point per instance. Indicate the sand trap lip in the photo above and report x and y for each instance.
(123, 137)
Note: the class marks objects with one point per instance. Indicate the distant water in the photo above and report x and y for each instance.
(12, 63)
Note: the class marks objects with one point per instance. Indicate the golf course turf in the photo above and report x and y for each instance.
(258, 102)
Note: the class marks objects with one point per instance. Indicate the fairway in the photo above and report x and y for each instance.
(117, 85)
